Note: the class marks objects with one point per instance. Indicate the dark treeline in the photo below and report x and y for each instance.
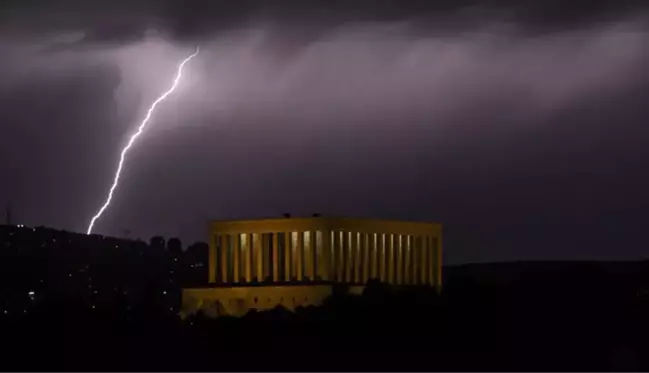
(77, 302)
(41, 263)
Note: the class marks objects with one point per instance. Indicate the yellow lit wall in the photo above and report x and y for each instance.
(314, 253)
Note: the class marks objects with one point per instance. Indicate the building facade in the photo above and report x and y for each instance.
(295, 261)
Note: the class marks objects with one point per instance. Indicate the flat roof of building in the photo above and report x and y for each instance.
(315, 223)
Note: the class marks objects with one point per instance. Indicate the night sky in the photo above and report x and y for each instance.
(522, 127)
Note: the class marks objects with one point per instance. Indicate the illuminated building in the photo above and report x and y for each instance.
(295, 262)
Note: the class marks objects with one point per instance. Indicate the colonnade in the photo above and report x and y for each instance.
(325, 255)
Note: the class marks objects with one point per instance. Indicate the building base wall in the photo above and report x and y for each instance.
(237, 301)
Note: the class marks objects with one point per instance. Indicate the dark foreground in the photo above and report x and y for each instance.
(411, 329)
(77, 302)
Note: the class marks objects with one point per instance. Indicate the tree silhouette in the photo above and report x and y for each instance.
(157, 243)
(174, 246)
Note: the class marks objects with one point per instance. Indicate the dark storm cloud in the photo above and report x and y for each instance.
(124, 20)
(195, 17)
(520, 126)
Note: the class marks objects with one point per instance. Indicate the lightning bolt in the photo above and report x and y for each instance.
(139, 131)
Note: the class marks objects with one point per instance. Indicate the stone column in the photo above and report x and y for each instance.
(340, 256)
(418, 267)
(424, 261)
(275, 258)
(391, 262)
(374, 248)
(267, 252)
(247, 255)
(407, 259)
(339, 253)
(259, 251)
(344, 255)
(236, 248)
(349, 256)
(225, 246)
(399, 250)
(352, 246)
(299, 258)
(325, 261)
(413, 260)
(414, 247)
(366, 257)
(288, 267)
(421, 259)
(211, 261)
(383, 255)
(356, 246)
(305, 241)
(309, 254)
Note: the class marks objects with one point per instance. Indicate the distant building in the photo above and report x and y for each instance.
(296, 261)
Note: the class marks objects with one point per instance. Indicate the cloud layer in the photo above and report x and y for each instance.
(501, 124)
